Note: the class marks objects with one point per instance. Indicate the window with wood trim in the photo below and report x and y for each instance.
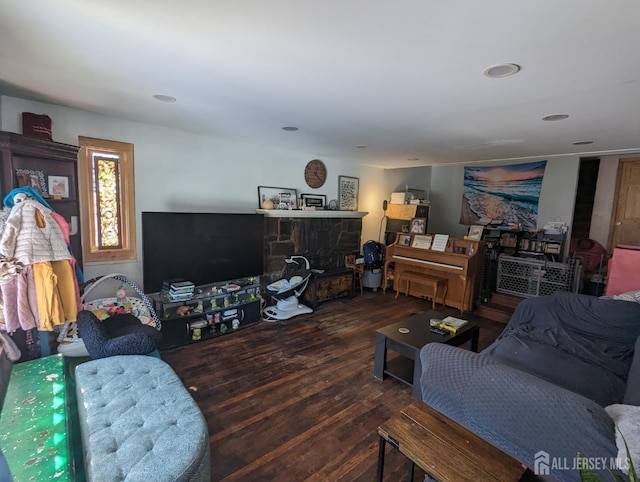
(108, 200)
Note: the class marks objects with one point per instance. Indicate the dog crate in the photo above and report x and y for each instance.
(533, 277)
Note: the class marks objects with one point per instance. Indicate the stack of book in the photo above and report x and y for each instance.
(180, 290)
(452, 324)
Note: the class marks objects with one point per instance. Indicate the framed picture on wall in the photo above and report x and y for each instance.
(348, 193)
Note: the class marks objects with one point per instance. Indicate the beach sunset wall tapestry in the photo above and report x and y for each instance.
(504, 194)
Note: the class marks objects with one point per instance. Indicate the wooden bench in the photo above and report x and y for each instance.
(430, 281)
(444, 449)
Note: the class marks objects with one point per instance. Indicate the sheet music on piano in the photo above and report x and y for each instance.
(440, 242)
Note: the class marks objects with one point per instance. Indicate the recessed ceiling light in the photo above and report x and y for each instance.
(581, 143)
(555, 117)
(501, 70)
(290, 128)
(164, 98)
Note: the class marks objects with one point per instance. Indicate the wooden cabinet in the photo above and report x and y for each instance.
(42, 163)
(327, 286)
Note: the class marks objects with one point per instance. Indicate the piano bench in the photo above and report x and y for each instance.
(433, 282)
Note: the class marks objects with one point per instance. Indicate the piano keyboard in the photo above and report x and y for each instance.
(433, 263)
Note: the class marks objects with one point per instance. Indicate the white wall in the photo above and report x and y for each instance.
(557, 196)
(180, 171)
(397, 180)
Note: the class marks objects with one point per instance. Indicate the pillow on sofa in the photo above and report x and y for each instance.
(628, 296)
(627, 420)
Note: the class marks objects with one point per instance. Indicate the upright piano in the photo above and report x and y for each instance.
(460, 263)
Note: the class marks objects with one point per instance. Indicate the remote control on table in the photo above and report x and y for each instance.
(439, 331)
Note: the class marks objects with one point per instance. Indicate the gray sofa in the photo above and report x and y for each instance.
(539, 392)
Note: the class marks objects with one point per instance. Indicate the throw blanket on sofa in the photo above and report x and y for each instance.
(517, 412)
(580, 342)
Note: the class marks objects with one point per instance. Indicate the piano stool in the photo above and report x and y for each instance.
(433, 282)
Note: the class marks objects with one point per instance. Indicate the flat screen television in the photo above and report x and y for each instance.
(200, 247)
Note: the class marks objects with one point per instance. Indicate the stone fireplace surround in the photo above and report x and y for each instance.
(324, 238)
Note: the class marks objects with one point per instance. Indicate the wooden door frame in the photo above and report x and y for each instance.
(616, 194)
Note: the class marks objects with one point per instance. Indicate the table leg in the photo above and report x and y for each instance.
(412, 466)
(381, 445)
(416, 393)
(380, 358)
(474, 339)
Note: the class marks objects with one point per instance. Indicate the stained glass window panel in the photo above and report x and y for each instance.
(106, 191)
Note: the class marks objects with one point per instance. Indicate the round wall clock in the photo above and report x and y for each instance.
(315, 173)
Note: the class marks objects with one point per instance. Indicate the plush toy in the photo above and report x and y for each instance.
(121, 294)
(184, 310)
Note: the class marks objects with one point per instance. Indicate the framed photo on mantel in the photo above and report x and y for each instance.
(317, 201)
(270, 197)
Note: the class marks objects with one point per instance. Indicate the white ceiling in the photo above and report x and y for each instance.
(403, 77)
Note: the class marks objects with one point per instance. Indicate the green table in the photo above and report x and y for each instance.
(34, 425)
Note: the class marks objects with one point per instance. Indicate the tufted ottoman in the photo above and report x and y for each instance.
(139, 423)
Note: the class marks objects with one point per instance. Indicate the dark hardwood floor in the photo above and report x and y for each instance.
(296, 400)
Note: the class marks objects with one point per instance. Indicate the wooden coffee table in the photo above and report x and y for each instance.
(407, 367)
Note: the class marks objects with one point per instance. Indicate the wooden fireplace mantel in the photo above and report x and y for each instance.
(298, 213)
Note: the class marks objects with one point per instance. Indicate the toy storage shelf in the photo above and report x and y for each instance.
(533, 277)
(215, 309)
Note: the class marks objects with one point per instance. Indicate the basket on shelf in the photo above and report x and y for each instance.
(70, 342)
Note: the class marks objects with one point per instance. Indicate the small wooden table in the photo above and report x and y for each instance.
(407, 368)
(444, 449)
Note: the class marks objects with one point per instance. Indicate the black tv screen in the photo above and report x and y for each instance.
(200, 247)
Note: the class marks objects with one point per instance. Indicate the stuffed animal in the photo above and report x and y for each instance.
(184, 310)
(121, 294)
